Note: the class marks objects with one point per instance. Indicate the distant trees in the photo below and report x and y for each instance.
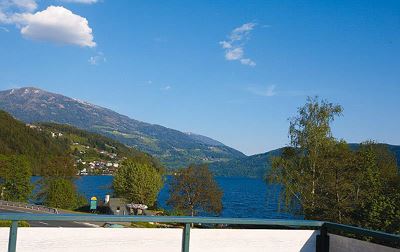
(323, 178)
(194, 190)
(138, 182)
(15, 175)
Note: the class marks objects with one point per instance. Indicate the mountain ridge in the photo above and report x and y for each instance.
(172, 147)
(258, 165)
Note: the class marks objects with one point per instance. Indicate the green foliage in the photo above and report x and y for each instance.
(325, 179)
(98, 142)
(15, 175)
(57, 186)
(18, 139)
(61, 193)
(194, 190)
(378, 189)
(138, 182)
(60, 167)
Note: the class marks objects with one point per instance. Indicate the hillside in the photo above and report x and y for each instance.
(258, 165)
(94, 153)
(172, 147)
(18, 139)
(251, 166)
(41, 142)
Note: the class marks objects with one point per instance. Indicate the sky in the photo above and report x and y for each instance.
(235, 71)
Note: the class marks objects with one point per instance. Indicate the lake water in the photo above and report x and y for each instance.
(243, 197)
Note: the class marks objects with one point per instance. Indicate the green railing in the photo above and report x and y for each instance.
(322, 244)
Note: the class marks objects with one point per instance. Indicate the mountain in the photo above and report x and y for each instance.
(172, 147)
(254, 166)
(257, 165)
(204, 139)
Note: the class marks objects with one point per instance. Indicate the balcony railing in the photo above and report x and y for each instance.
(321, 244)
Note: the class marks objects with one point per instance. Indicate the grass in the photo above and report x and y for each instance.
(4, 223)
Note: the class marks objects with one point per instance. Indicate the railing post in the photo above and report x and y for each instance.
(323, 240)
(186, 238)
(12, 239)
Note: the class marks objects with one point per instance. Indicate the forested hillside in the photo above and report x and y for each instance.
(41, 143)
(37, 146)
(88, 147)
(254, 166)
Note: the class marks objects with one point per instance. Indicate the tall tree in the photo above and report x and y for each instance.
(325, 179)
(15, 175)
(300, 167)
(61, 193)
(378, 194)
(57, 184)
(195, 190)
(137, 182)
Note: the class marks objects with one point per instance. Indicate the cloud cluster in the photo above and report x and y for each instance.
(234, 46)
(54, 24)
(9, 8)
(97, 59)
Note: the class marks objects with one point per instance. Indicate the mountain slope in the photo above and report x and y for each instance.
(172, 147)
(257, 165)
(37, 146)
(252, 166)
(88, 147)
(39, 143)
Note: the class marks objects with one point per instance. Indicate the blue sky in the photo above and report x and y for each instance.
(232, 70)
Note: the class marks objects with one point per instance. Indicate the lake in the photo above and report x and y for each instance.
(243, 197)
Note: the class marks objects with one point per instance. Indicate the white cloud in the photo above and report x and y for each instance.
(247, 62)
(97, 59)
(80, 1)
(225, 44)
(267, 92)
(57, 24)
(9, 8)
(234, 47)
(234, 54)
(166, 88)
(4, 29)
(242, 31)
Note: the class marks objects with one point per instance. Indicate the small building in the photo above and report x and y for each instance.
(117, 206)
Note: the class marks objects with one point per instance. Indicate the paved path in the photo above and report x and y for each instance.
(9, 209)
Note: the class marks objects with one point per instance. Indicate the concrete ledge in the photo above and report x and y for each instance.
(144, 239)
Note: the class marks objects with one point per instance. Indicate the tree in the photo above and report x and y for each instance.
(323, 178)
(57, 184)
(378, 189)
(195, 190)
(15, 174)
(137, 182)
(301, 165)
(61, 193)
